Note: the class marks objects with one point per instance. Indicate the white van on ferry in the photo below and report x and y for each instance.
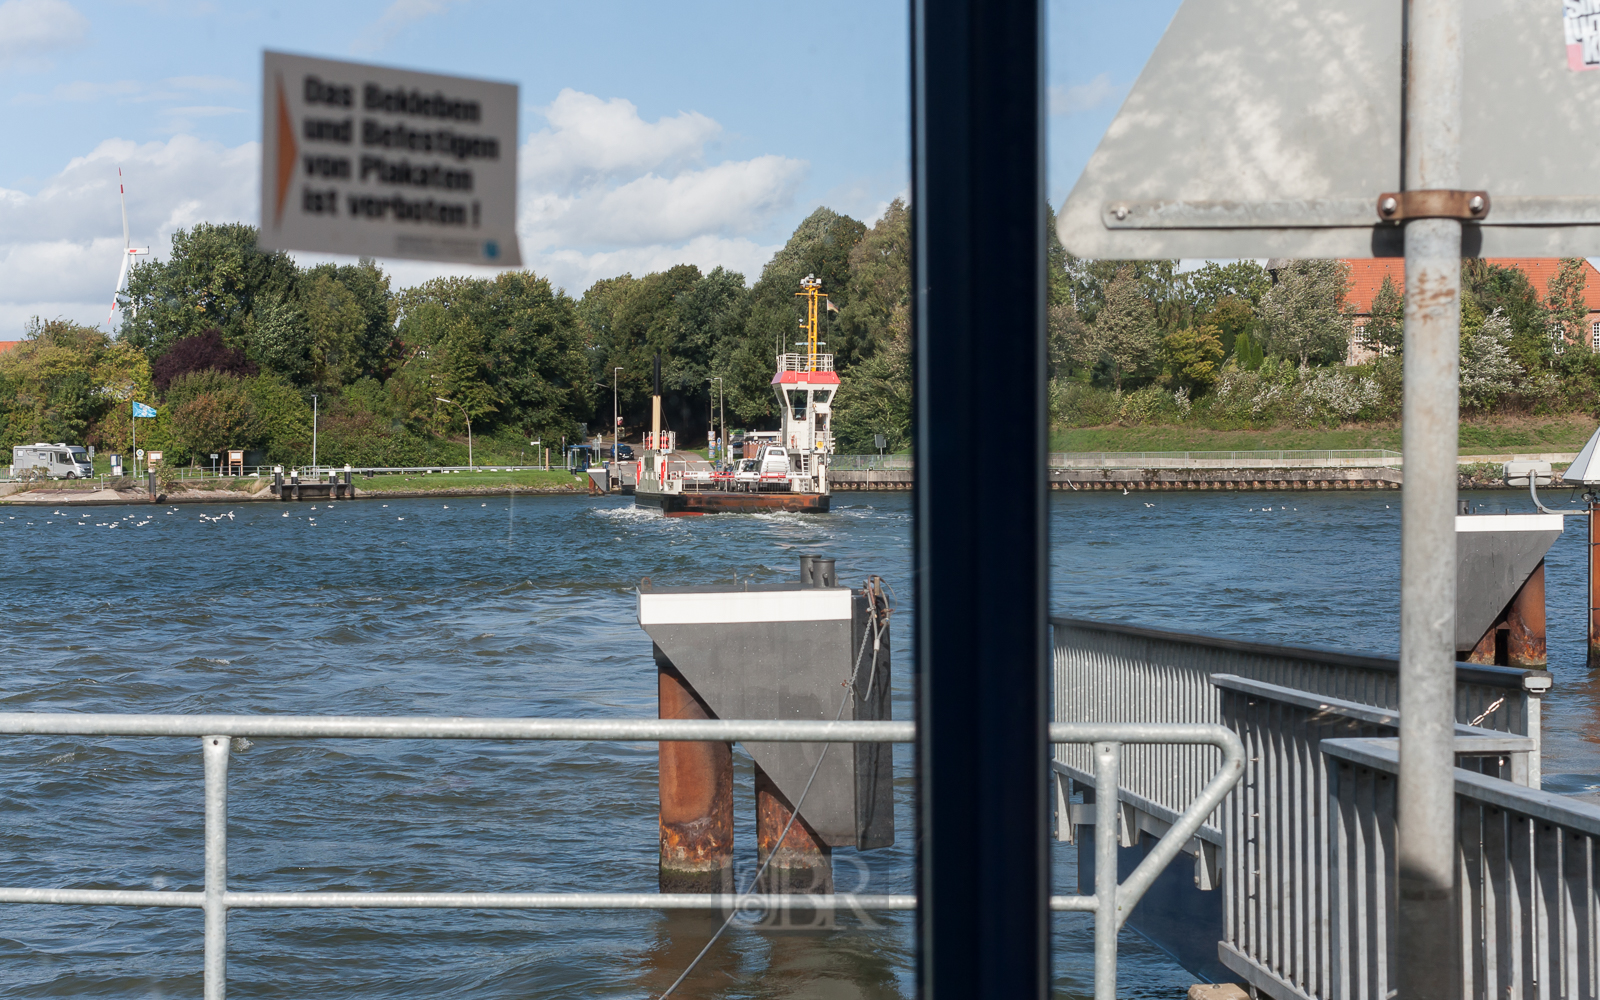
(54, 461)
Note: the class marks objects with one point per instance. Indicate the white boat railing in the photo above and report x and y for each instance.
(805, 362)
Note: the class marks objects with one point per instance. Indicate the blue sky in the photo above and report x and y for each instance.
(727, 121)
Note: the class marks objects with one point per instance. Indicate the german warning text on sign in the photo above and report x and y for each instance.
(384, 162)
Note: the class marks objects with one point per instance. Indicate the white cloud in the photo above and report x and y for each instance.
(591, 140)
(60, 248)
(600, 177)
(399, 16)
(1083, 96)
(576, 271)
(602, 192)
(30, 28)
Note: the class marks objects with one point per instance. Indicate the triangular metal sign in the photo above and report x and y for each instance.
(1585, 468)
(1269, 128)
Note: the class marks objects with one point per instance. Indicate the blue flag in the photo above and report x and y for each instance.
(141, 410)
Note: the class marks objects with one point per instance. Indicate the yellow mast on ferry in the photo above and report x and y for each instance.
(813, 294)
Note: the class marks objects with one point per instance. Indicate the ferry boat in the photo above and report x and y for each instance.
(789, 474)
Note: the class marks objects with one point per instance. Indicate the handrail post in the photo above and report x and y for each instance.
(216, 907)
(1107, 767)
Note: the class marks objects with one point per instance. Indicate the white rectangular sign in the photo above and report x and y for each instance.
(382, 162)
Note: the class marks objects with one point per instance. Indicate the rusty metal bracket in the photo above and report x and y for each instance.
(1468, 206)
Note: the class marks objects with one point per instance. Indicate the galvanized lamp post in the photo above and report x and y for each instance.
(616, 418)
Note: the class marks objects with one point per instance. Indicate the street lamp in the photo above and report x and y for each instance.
(464, 413)
(536, 445)
(313, 434)
(724, 436)
(616, 418)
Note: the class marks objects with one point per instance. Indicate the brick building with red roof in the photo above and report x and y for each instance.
(1366, 277)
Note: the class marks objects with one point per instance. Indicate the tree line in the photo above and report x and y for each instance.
(237, 346)
(1242, 343)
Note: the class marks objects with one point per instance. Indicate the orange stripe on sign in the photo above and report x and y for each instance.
(288, 152)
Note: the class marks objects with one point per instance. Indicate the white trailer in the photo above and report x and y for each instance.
(54, 461)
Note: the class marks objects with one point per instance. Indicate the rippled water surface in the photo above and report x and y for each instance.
(525, 608)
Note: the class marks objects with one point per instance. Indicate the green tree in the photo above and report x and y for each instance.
(1240, 280)
(1385, 328)
(1232, 316)
(1194, 356)
(1161, 284)
(879, 287)
(1057, 283)
(876, 399)
(1067, 341)
(821, 245)
(336, 323)
(1564, 302)
(209, 412)
(213, 278)
(1247, 353)
(1304, 315)
(70, 383)
(279, 337)
(629, 321)
(509, 350)
(1125, 327)
(1507, 289)
(282, 419)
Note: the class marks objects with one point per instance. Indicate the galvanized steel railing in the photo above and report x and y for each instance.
(1308, 900)
(1530, 892)
(870, 463)
(1121, 673)
(1111, 903)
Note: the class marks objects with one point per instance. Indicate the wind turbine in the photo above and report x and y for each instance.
(129, 251)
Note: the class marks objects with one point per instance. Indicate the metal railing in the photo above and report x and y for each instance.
(870, 463)
(1122, 673)
(805, 362)
(1110, 903)
(1308, 903)
(1358, 458)
(1530, 893)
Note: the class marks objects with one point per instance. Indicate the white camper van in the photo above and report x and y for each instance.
(56, 461)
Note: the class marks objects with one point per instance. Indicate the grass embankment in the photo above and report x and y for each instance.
(1505, 435)
(431, 482)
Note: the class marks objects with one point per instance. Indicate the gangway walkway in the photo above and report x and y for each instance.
(1302, 851)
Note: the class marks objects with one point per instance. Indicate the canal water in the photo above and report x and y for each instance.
(525, 607)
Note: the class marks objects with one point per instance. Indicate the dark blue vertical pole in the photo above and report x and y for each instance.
(980, 537)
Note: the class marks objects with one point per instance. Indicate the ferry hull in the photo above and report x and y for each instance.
(718, 502)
